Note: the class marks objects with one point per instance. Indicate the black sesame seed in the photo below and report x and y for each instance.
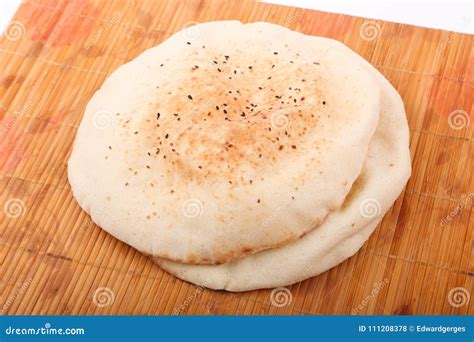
(190, 97)
(188, 43)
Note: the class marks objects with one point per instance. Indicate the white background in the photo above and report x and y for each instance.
(452, 15)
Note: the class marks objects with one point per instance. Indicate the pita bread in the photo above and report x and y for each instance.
(189, 151)
(385, 173)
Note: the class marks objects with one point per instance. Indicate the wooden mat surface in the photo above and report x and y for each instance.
(54, 260)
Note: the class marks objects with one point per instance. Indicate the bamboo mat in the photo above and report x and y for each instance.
(54, 260)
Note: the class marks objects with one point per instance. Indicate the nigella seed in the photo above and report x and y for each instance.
(190, 97)
(188, 43)
(275, 53)
(166, 136)
(218, 69)
(158, 116)
(324, 102)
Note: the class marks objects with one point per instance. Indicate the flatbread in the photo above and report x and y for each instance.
(385, 173)
(188, 151)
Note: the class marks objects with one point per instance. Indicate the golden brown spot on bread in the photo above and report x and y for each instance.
(229, 125)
